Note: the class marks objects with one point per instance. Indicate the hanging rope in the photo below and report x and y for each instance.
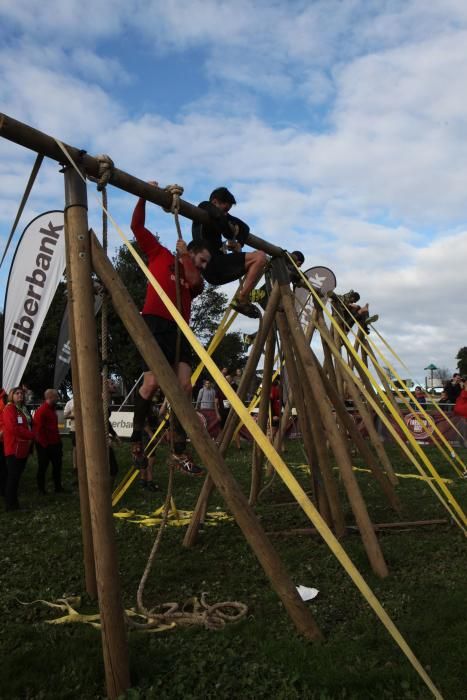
(176, 191)
(104, 323)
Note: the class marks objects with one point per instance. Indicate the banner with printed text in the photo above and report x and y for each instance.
(37, 268)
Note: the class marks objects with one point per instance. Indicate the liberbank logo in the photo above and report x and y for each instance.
(420, 427)
(36, 270)
(35, 283)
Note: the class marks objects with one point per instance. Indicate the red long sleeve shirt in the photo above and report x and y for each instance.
(45, 425)
(161, 263)
(460, 407)
(15, 428)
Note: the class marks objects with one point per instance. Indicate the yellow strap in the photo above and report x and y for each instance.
(277, 462)
(451, 504)
(421, 407)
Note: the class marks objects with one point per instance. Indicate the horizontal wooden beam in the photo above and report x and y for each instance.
(37, 141)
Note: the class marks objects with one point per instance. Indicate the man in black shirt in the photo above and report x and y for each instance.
(226, 266)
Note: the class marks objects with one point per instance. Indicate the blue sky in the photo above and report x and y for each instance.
(339, 126)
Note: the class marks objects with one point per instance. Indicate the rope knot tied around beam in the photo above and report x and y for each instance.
(106, 168)
(176, 191)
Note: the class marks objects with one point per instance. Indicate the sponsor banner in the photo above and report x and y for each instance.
(423, 432)
(122, 423)
(63, 357)
(37, 267)
(324, 281)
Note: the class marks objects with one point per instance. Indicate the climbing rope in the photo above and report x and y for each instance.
(104, 322)
(176, 191)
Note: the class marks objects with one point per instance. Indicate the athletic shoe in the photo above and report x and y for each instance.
(140, 461)
(246, 308)
(185, 464)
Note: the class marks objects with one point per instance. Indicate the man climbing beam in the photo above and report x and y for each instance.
(161, 262)
(226, 267)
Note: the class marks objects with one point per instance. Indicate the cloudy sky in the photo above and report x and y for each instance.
(340, 126)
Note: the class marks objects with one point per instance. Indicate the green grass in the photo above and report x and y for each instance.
(262, 656)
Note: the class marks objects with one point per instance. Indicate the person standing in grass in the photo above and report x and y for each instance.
(48, 442)
(17, 441)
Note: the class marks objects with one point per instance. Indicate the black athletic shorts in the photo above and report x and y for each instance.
(222, 269)
(165, 334)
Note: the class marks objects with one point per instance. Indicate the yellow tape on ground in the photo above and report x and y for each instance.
(176, 518)
(276, 460)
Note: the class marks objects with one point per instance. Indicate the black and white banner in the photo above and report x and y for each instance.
(37, 268)
(63, 357)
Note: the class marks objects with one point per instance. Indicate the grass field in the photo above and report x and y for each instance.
(261, 656)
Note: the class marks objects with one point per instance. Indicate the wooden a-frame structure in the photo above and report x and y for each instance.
(320, 405)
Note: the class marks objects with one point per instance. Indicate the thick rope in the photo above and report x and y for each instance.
(213, 617)
(106, 167)
(104, 323)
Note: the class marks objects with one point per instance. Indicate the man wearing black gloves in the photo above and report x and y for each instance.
(226, 267)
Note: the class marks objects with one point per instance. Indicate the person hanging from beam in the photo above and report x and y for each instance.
(228, 262)
(161, 262)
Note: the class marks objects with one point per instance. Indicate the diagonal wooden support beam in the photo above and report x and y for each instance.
(204, 446)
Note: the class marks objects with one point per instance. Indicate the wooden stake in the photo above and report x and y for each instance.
(263, 416)
(357, 502)
(367, 420)
(205, 446)
(113, 631)
(232, 419)
(86, 528)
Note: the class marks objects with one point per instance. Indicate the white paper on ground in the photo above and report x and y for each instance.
(307, 593)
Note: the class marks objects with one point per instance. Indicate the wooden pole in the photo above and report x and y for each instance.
(263, 416)
(114, 641)
(232, 419)
(36, 140)
(357, 502)
(205, 446)
(365, 415)
(86, 528)
(311, 442)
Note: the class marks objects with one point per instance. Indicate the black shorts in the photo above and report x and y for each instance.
(165, 335)
(222, 269)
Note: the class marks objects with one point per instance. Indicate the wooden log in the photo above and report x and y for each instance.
(319, 440)
(205, 446)
(280, 435)
(36, 140)
(263, 416)
(313, 376)
(232, 419)
(325, 490)
(86, 528)
(113, 631)
(367, 418)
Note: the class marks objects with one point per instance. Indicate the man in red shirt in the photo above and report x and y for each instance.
(161, 262)
(48, 442)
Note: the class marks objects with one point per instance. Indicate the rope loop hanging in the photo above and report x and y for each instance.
(176, 191)
(106, 168)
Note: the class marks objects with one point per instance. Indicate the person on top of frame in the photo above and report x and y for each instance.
(228, 262)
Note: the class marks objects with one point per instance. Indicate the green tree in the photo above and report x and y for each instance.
(461, 358)
(207, 312)
(230, 352)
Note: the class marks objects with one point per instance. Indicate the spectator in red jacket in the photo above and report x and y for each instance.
(460, 407)
(17, 441)
(3, 470)
(48, 442)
